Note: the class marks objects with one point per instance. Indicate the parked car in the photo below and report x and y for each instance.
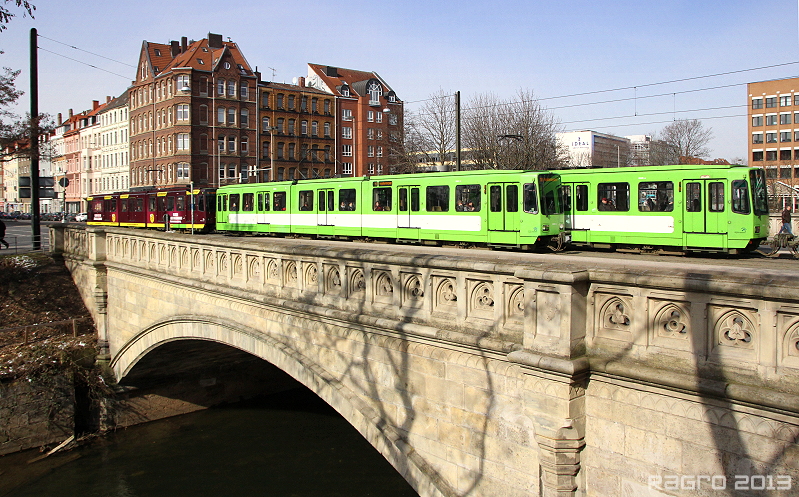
(81, 217)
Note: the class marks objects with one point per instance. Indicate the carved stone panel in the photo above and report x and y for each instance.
(273, 271)
(734, 332)
(310, 277)
(412, 290)
(445, 298)
(383, 287)
(514, 307)
(333, 284)
(788, 332)
(254, 268)
(613, 317)
(670, 323)
(482, 301)
(356, 283)
(290, 274)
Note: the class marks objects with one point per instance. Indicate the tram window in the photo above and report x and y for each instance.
(306, 200)
(279, 201)
(139, 205)
(170, 203)
(512, 198)
(346, 199)
(581, 201)
(220, 203)
(161, 204)
(331, 200)
(693, 197)
(530, 196)
(403, 200)
(467, 198)
(180, 203)
(151, 203)
(566, 197)
(123, 205)
(381, 199)
(656, 196)
(617, 195)
(759, 197)
(495, 198)
(260, 200)
(437, 198)
(233, 202)
(716, 197)
(549, 185)
(322, 202)
(247, 198)
(199, 203)
(109, 205)
(415, 200)
(740, 196)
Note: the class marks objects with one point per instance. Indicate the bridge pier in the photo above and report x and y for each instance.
(483, 373)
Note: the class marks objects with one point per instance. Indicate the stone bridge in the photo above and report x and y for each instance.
(483, 373)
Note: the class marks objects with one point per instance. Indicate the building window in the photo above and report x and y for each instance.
(757, 137)
(231, 171)
(379, 117)
(220, 115)
(231, 117)
(304, 127)
(785, 118)
(183, 170)
(279, 103)
(757, 121)
(315, 128)
(757, 103)
(245, 145)
(280, 150)
(379, 134)
(231, 88)
(327, 107)
(346, 150)
(291, 102)
(292, 146)
(374, 93)
(183, 82)
(265, 124)
(280, 122)
(327, 130)
(370, 133)
(370, 116)
(785, 136)
(757, 156)
(771, 102)
(771, 120)
(785, 101)
(380, 151)
(345, 91)
(786, 155)
(183, 112)
(314, 102)
(346, 168)
(370, 151)
(265, 99)
(265, 150)
(346, 114)
(245, 118)
(245, 90)
(221, 143)
(346, 133)
(183, 141)
(220, 87)
(771, 155)
(771, 138)
(203, 114)
(304, 104)
(796, 135)
(291, 127)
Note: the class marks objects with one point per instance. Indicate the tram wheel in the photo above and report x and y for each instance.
(772, 248)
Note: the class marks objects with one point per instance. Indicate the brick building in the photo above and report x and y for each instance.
(192, 114)
(297, 127)
(773, 118)
(368, 119)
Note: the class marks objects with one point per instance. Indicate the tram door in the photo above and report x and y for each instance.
(575, 203)
(408, 206)
(326, 209)
(503, 212)
(705, 214)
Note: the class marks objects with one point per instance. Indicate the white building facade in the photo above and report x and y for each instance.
(592, 149)
(114, 160)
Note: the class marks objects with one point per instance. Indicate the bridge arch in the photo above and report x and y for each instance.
(363, 417)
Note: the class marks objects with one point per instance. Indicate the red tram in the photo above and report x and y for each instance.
(170, 209)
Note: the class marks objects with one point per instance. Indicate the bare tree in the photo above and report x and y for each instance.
(513, 134)
(686, 138)
(6, 15)
(433, 128)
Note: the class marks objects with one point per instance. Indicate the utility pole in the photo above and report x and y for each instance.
(34, 144)
(458, 130)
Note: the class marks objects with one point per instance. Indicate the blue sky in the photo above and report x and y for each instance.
(553, 48)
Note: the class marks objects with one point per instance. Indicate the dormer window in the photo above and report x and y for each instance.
(374, 93)
(345, 91)
(157, 52)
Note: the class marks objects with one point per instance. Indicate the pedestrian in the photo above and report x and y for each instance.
(3, 233)
(786, 221)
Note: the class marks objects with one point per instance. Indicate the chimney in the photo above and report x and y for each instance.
(174, 48)
(107, 99)
(95, 104)
(59, 121)
(301, 82)
(70, 113)
(183, 45)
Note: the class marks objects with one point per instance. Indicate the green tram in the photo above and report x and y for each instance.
(718, 208)
(519, 209)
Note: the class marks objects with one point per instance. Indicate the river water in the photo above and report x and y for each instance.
(290, 444)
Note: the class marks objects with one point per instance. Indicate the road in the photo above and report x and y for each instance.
(19, 234)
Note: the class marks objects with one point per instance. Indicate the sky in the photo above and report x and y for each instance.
(621, 67)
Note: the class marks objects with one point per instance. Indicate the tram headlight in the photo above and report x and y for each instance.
(757, 230)
(544, 227)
